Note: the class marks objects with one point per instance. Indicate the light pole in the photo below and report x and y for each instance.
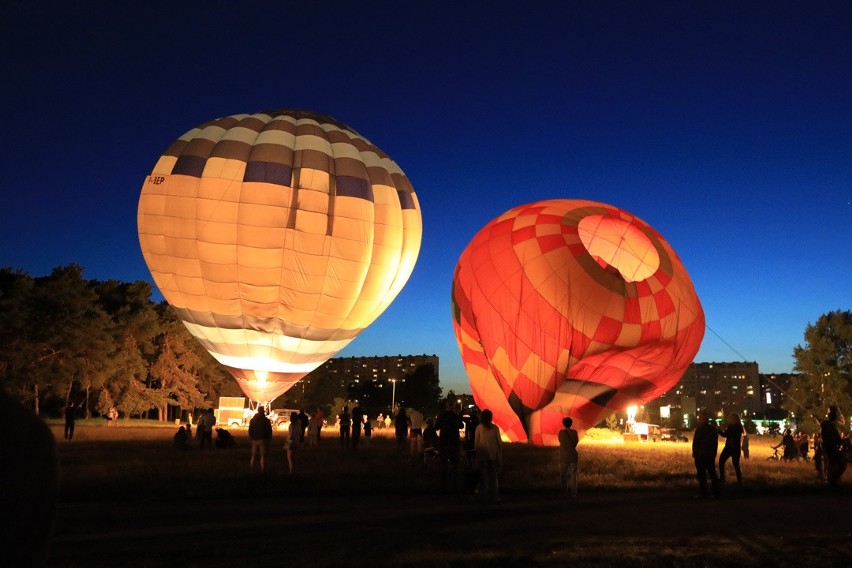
(393, 393)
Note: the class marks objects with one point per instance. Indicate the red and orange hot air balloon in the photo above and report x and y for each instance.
(277, 237)
(571, 308)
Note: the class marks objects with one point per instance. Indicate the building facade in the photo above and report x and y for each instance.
(377, 369)
(718, 388)
(378, 383)
(773, 393)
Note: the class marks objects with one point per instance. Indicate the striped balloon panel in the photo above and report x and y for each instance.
(277, 237)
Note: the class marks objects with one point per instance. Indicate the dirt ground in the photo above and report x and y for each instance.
(636, 528)
(528, 527)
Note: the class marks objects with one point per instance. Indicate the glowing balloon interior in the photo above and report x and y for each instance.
(571, 308)
(277, 237)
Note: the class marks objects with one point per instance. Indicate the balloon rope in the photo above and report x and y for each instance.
(743, 358)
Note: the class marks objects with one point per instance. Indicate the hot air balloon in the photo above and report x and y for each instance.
(571, 308)
(277, 237)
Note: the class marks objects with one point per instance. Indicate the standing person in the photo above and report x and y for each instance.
(568, 457)
(705, 444)
(489, 455)
(733, 434)
(314, 427)
(112, 417)
(70, 417)
(304, 420)
(400, 422)
(320, 415)
(345, 422)
(470, 428)
(430, 435)
(291, 445)
(368, 430)
(415, 432)
(791, 451)
(448, 425)
(204, 429)
(819, 456)
(357, 423)
(803, 443)
(745, 445)
(260, 434)
(835, 463)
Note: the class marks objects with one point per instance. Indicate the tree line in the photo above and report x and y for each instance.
(824, 370)
(67, 340)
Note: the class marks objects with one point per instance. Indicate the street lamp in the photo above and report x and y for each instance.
(393, 392)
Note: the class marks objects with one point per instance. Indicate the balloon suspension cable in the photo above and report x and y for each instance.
(624, 243)
(745, 360)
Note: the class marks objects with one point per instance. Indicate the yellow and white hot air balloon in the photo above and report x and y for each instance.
(277, 237)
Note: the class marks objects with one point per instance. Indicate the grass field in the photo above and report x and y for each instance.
(129, 498)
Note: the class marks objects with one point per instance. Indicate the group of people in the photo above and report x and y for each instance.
(70, 413)
(260, 436)
(480, 454)
(301, 430)
(828, 457)
(705, 444)
(795, 445)
(204, 427)
(482, 447)
(351, 425)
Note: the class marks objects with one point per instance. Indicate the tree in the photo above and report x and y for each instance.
(133, 328)
(16, 341)
(370, 394)
(55, 334)
(824, 365)
(183, 374)
(63, 337)
(318, 389)
(175, 370)
(421, 389)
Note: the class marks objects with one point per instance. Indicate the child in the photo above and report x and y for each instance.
(568, 439)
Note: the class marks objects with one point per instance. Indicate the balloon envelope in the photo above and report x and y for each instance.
(571, 308)
(277, 237)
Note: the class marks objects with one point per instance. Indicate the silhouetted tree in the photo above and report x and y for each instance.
(824, 365)
(421, 388)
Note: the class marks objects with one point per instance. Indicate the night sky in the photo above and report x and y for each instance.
(725, 125)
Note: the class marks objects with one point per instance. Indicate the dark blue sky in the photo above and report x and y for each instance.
(725, 125)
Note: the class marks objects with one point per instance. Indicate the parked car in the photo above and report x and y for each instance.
(672, 435)
(280, 417)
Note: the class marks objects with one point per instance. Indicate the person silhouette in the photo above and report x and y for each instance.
(568, 457)
(260, 434)
(733, 434)
(705, 444)
(489, 455)
(30, 485)
(835, 463)
(345, 421)
(70, 418)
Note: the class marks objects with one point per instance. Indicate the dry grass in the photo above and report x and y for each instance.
(124, 488)
(99, 457)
